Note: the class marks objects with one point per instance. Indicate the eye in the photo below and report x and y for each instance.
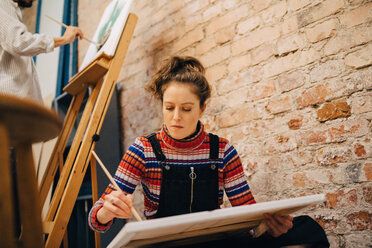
(187, 109)
(169, 108)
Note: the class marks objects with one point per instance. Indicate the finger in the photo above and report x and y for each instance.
(122, 201)
(276, 227)
(80, 33)
(116, 207)
(285, 221)
(114, 211)
(127, 198)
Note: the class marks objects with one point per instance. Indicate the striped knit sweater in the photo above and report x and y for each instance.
(139, 164)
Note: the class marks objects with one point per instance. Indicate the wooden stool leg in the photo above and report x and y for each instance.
(29, 205)
(6, 204)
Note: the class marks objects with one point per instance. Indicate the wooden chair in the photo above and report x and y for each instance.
(22, 123)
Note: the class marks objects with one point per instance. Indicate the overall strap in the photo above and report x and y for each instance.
(214, 146)
(156, 147)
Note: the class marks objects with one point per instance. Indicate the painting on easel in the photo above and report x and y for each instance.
(109, 30)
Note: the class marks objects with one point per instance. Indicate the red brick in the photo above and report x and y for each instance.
(237, 115)
(262, 53)
(335, 133)
(291, 61)
(215, 72)
(211, 12)
(362, 104)
(290, 44)
(357, 16)
(253, 74)
(360, 58)
(342, 199)
(163, 33)
(280, 143)
(328, 69)
(295, 124)
(300, 158)
(229, 4)
(319, 11)
(192, 22)
(226, 20)
(328, 224)
(236, 81)
(360, 220)
(347, 39)
(210, 123)
(248, 25)
(300, 180)
(311, 179)
(255, 39)
(368, 171)
(298, 4)
(205, 45)
(166, 10)
(259, 128)
(225, 35)
(251, 167)
(216, 55)
(367, 194)
(274, 13)
(230, 83)
(194, 7)
(190, 38)
(263, 90)
(322, 31)
(332, 155)
(238, 63)
(259, 5)
(279, 105)
(216, 105)
(333, 110)
(355, 1)
(359, 150)
(293, 80)
(313, 95)
(289, 25)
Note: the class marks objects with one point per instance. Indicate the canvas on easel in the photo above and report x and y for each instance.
(109, 30)
(188, 228)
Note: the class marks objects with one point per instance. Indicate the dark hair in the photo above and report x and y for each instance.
(181, 69)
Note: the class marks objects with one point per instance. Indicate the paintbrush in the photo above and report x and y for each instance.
(65, 26)
(134, 212)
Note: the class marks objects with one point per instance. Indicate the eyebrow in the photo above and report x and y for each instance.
(185, 103)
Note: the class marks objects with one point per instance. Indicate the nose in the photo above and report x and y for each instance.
(177, 114)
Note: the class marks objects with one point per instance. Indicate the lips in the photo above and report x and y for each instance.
(176, 126)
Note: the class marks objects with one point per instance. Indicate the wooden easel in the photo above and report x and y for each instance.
(101, 76)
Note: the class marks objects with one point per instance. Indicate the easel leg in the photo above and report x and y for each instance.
(93, 171)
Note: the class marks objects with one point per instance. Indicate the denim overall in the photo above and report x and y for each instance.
(187, 189)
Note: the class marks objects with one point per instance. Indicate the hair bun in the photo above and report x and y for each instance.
(186, 63)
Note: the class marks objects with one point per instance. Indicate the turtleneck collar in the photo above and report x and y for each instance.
(189, 143)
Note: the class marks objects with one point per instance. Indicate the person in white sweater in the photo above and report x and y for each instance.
(17, 47)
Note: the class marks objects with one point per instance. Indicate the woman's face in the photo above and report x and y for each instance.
(181, 109)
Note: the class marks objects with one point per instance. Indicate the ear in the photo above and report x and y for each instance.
(202, 109)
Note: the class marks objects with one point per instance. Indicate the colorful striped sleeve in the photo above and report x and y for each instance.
(127, 176)
(235, 182)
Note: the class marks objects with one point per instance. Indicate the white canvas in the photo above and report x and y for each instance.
(178, 226)
(114, 18)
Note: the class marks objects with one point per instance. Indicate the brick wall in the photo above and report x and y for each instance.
(292, 87)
